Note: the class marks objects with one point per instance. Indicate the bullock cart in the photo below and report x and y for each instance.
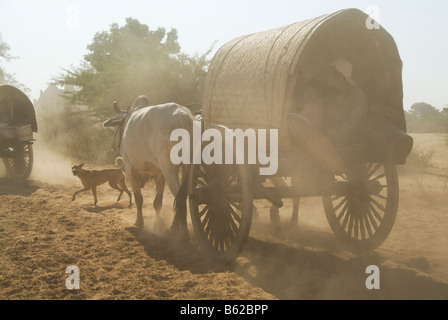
(17, 124)
(254, 83)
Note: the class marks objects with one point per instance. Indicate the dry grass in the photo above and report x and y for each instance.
(432, 189)
(421, 158)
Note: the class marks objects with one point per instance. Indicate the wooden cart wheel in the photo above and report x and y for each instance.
(363, 212)
(221, 208)
(21, 164)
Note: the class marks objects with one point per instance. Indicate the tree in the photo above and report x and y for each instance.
(121, 64)
(422, 110)
(423, 117)
(4, 50)
(5, 77)
(4, 55)
(125, 62)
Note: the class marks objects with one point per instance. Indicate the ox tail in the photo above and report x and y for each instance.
(180, 200)
(119, 163)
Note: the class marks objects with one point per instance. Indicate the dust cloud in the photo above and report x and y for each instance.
(50, 166)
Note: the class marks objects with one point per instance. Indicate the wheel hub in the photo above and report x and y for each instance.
(208, 194)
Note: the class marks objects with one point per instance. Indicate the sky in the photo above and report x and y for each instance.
(48, 36)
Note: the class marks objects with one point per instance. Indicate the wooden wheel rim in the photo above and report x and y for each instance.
(222, 219)
(20, 166)
(364, 216)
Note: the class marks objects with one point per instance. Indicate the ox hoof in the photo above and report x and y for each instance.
(159, 224)
(274, 214)
(178, 236)
(295, 222)
(139, 224)
(182, 238)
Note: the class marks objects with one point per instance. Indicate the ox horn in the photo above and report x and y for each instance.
(116, 108)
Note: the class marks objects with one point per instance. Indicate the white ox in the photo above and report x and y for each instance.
(142, 138)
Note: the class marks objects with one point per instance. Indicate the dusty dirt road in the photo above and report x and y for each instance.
(42, 232)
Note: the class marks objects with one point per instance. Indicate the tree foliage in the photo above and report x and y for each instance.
(4, 50)
(424, 118)
(121, 64)
(4, 56)
(125, 62)
(5, 77)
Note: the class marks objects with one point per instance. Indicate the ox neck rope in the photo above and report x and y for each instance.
(122, 126)
(120, 131)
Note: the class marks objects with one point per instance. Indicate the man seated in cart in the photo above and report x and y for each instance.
(329, 130)
(346, 109)
(313, 111)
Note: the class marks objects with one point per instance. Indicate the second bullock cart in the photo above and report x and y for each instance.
(17, 124)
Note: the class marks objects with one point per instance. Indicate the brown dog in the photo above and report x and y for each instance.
(93, 178)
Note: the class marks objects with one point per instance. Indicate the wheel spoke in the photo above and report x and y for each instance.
(377, 215)
(203, 211)
(210, 230)
(200, 174)
(342, 202)
(378, 177)
(232, 224)
(379, 196)
(369, 166)
(377, 166)
(205, 223)
(367, 222)
(236, 205)
(371, 218)
(362, 226)
(350, 225)
(356, 227)
(334, 198)
(234, 214)
(343, 211)
(346, 218)
(222, 232)
(379, 205)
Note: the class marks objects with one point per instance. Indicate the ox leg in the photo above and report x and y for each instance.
(274, 210)
(180, 193)
(139, 202)
(295, 212)
(295, 208)
(135, 185)
(173, 184)
(158, 200)
(160, 188)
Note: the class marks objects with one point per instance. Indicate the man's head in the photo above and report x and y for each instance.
(340, 73)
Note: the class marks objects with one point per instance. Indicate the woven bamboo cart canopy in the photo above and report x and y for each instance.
(24, 112)
(256, 80)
